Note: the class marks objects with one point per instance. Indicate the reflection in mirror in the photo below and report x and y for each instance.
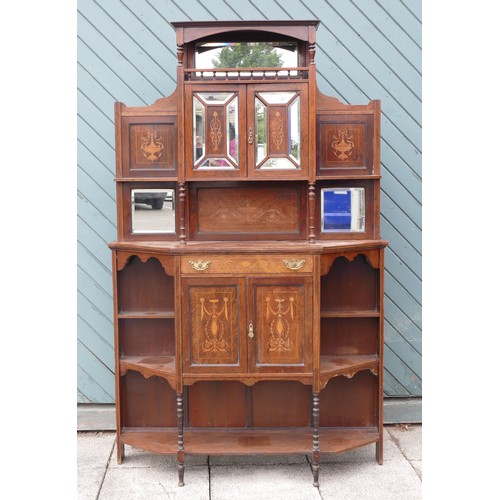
(276, 97)
(279, 163)
(261, 125)
(215, 130)
(199, 129)
(294, 127)
(246, 55)
(153, 211)
(342, 210)
(232, 130)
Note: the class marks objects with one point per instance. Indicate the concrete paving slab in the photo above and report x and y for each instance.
(354, 474)
(94, 449)
(262, 482)
(93, 452)
(89, 482)
(408, 438)
(417, 466)
(395, 480)
(136, 457)
(155, 483)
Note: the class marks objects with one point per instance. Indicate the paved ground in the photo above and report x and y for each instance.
(354, 475)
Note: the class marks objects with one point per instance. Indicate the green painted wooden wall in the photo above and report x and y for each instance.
(366, 49)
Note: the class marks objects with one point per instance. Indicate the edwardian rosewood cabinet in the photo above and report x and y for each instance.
(248, 269)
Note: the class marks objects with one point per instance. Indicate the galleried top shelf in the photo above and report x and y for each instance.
(207, 50)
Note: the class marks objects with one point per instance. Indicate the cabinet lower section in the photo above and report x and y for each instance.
(222, 352)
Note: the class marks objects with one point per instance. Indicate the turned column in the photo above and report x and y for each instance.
(180, 439)
(315, 454)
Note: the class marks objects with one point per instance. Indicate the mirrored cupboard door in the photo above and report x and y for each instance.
(246, 131)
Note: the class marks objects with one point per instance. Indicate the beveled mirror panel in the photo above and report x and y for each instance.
(342, 210)
(215, 131)
(277, 119)
(153, 211)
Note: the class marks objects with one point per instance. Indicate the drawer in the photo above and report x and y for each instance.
(246, 264)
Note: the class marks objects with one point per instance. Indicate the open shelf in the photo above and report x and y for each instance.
(350, 314)
(337, 365)
(340, 439)
(146, 315)
(160, 366)
(162, 440)
(263, 441)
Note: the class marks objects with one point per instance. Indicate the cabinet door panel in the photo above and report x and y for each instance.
(215, 147)
(213, 312)
(277, 130)
(281, 312)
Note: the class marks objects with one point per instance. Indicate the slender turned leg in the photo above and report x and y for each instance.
(180, 439)
(315, 454)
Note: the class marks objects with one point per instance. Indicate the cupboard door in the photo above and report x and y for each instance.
(280, 336)
(215, 148)
(214, 316)
(277, 130)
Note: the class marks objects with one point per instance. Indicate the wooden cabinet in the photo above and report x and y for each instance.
(248, 268)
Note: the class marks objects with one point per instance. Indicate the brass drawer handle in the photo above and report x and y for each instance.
(250, 330)
(200, 265)
(293, 264)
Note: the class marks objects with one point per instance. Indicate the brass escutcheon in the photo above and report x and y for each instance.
(250, 330)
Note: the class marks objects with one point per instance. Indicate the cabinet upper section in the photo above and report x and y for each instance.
(246, 110)
(246, 106)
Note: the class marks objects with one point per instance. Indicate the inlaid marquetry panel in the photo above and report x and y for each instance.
(345, 145)
(240, 211)
(150, 148)
(213, 318)
(278, 130)
(216, 121)
(281, 322)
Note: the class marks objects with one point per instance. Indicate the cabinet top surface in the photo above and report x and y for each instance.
(238, 24)
(190, 31)
(274, 247)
